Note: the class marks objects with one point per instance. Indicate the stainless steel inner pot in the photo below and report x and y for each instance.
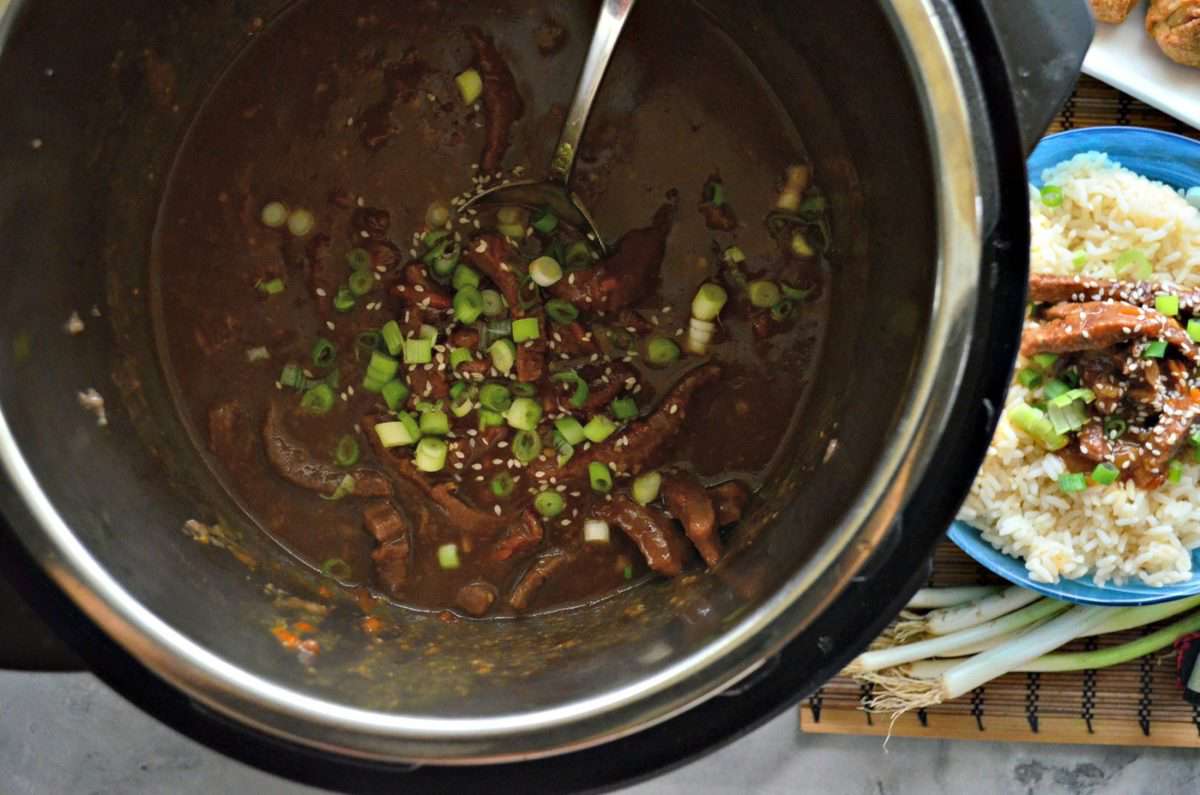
(890, 102)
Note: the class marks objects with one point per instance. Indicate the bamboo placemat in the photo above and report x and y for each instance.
(1137, 703)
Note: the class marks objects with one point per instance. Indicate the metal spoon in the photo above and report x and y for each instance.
(555, 191)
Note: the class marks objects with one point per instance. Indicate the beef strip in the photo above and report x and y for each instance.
(1050, 289)
(476, 598)
(371, 220)
(1180, 410)
(392, 565)
(502, 104)
(1099, 325)
(729, 500)
(531, 361)
(652, 530)
(1092, 444)
(418, 291)
(465, 338)
(384, 521)
(491, 254)
(603, 387)
(626, 275)
(536, 576)
(520, 538)
(229, 435)
(296, 465)
(636, 447)
(1102, 372)
(459, 515)
(401, 79)
(687, 500)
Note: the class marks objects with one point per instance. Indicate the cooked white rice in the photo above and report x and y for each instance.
(1115, 532)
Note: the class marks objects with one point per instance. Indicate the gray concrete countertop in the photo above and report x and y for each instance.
(68, 733)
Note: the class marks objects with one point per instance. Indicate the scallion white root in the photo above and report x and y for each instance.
(954, 619)
(929, 598)
(948, 644)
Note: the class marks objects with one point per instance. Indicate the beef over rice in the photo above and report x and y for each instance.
(1094, 465)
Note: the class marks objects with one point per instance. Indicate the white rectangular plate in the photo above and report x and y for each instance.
(1126, 57)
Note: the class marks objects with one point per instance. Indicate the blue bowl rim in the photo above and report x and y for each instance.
(970, 540)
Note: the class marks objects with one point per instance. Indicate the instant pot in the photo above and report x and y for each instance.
(918, 115)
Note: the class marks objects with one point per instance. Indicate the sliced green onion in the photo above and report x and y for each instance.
(599, 428)
(437, 214)
(431, 454)
(512, 231)
(336, 568)
(393, 337)
(318, 399)
(1114, 427)
(580, 395)
(490, 419)
(394, 393)
(257, 354)
(274, 214)
(502, 484)
(700, 334)
(468, 304)
(446, 261)
(365, 342)
(418, 351)
(570, 429)
(358, 259)
(1035, 423)
(1054, 388)
(578, 256)
(1193, 330)
(563, 448)
(402, 431)
(1029, 378)
(596, 531)
(800, 245)
(625, 408)
(1136, 263)
(435, 423)
(545, 221)
(324, 353)
(493, 304)
(465, 276)
(782, 310)
(459, 356)
(733, 255)
(526, 328)
(1105, 474)
(1045, 360)
(361, 282)
(795, 293)
(495, 397)
(470, 87)
(526, 446)
(1072, 482)
(1071, 395)
(1070, 417)
(343, 300)
(292, 376)
(346, 452)
(460, 389)
(1174, 471)
(300, 222)
(1052, 196)
(524, 414)
(271, 286)
(1079, 261)
(545, 271)
(709, 301)
(494, 330)
(600, 477)
(628, 572)
(381, 367)
(716, 193)
(661, 351)
(503, 354)
(764, 294)
(461, 406)
(561, 311)
(522, 389)
(447, 555)
(646, 487)
(434, 236)
(1155, 350)
(549, 504)
(1167, 304)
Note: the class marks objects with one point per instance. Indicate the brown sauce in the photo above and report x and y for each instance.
(340, 107)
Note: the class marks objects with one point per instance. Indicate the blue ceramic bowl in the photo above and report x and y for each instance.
(1162, 156)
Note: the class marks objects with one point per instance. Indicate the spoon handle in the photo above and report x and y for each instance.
(613, 14)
